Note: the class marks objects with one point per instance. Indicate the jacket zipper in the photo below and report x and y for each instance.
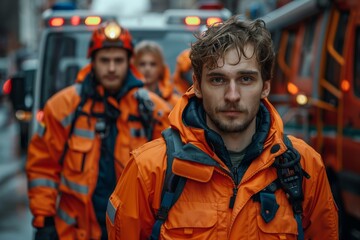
(235, 189)
(234, 177)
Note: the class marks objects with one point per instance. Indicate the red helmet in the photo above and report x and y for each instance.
(110, 34)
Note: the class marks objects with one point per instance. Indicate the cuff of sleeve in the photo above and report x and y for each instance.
(43, 221)
(38, 221)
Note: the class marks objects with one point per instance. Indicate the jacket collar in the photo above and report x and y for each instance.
(96, 91)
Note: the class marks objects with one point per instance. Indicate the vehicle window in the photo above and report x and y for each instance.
(306, 50)
(357, 63)
(290, 47)
(65, 56)
(332, 67)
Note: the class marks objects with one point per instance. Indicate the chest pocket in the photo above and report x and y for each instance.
(283, 224)
(191, 220)
(79, 145)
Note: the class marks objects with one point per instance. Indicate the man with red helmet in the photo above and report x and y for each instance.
(85, 139)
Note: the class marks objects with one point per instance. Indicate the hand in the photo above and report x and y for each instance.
(48, 232)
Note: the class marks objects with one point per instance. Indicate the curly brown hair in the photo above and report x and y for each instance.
(235, 33)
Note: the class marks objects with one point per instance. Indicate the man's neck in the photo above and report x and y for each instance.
(238, 141)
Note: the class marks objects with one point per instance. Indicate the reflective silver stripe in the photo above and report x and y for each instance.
(136, 132)
(40, 130)
(110, 210)
(68, 120)
(42, 182)
(78, 88)
(85, 133)
(74, 186)
(66, 217)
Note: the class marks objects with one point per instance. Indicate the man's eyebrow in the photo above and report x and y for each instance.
(248, 72)
(241, 72)
(214, 74)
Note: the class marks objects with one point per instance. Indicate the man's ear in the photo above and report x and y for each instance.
(197, 87)
(266, 89)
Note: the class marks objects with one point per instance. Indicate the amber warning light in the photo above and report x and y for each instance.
(213, 20)
(192, 21)
(92, 20)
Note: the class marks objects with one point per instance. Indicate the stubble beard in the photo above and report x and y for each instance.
(230, 126)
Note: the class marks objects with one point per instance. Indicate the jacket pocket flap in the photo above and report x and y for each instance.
(82, 143)
(195, 171)
(192, 215)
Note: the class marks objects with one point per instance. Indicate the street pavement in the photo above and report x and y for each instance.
(15, 217)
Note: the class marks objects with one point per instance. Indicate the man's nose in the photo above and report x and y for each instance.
(112, 66)
(232, 93)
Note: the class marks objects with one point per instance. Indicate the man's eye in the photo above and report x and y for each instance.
(246, 79)
(217, 80)
(119, 60)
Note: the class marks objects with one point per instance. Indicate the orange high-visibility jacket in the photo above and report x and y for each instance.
(65, 189)
(183, 67)
(202, 210)
(166, 88)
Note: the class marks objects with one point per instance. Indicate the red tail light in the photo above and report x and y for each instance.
(7, 87)
(56, 22)
(40, 116)
(75, 20)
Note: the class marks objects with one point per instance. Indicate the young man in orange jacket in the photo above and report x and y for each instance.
(228, 153)
(85, 139)
(149, 60)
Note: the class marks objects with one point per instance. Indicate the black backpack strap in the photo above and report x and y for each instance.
(77, 113)
(173, 184)
(146, 109)
(290, 176)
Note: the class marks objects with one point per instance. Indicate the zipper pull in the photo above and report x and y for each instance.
(233, 198)
(235, 175)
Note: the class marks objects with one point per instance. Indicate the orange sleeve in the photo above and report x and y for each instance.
(320, 212)
(43, 168)
(160, 114)
(129, 215)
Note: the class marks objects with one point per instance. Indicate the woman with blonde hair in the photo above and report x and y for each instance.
(149, 60)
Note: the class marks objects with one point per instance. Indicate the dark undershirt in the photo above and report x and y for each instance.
(236, 157)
